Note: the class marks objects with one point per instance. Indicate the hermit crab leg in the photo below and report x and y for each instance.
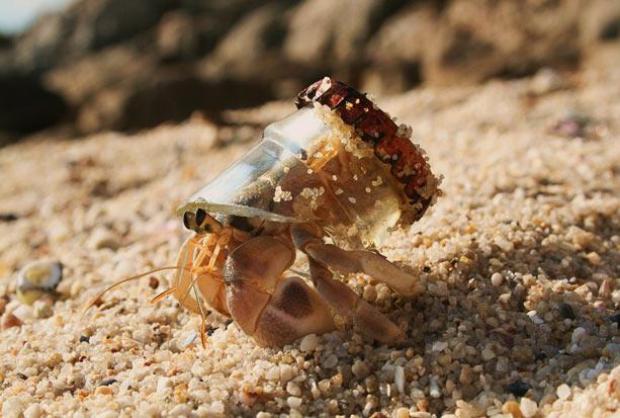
(273, 309)
(353, 309)
(359, 261)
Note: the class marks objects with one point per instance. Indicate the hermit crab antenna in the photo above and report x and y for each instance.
(94, 300)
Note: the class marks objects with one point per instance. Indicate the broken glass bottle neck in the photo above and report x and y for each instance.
(307, 169)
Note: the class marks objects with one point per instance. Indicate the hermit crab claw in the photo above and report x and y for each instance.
(273, 309)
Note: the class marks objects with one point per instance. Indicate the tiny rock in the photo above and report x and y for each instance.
(399, 378)
(43, 308)
(563, 391)
(360, 369)
(309, 343)
(103, 238)
(293, 401)
(528, 407)
(487, 354)
(33, 411)
(402, 413)
(512, 407)
(497, 279)
(578, 335)
(293, 389)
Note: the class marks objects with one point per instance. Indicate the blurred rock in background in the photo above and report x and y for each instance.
(113, 64)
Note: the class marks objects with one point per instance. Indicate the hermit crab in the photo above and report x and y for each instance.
(329, 182)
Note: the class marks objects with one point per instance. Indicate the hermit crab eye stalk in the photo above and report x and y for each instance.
(200, 221)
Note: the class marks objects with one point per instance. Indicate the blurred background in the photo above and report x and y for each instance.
(88, 66)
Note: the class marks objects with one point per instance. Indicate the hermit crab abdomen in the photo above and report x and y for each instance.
(337, 161)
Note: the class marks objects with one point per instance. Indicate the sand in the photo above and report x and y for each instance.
(521, 259)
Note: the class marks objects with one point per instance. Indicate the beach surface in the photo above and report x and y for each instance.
(521, 257)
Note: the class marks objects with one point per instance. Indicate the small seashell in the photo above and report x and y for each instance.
(9, 321)
(37, 279)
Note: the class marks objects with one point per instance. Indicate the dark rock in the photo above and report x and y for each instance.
(477, 40)
(397, 49)
(41, 47)
(8, 217)
(108, 57)
(100, 23)
(27, 106)
(250, 50)
(84, 27)
(319, 38)
(567, 311)
(518, 388)
(176, 98)
(108, 382)
(5, 41)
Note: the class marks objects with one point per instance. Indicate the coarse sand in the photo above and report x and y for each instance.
(521, 258)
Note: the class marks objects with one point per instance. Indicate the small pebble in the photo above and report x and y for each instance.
(294, 401)
(578, 335)
(399, 378)
(547, 80)
(487, 354)
(293, 389)
(181, 410)
(164, 386)
(563, 391)
(75, 289)
(528, 407)
(402, 413)
(43, 308)
(286, 373)
(511, 407)
(439, 346)
(370, 293)
(466, 375)
(309, 343)
(33, 411)
(153, 282)
(331, 361)
(103, 238)
(497, 279)
(104, 390)
(434, 391)
(536, 319)
(360, 369)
